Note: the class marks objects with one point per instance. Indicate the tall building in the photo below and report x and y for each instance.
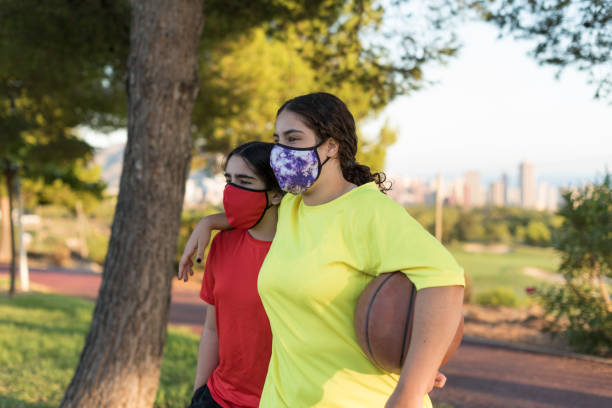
(497, 194)
(528, 186)
(456, 194)
(473, 195)
(505, 186)
(553, 199)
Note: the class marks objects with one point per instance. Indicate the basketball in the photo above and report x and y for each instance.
(383, 321)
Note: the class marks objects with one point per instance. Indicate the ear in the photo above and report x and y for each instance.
(332, 148)
(274, 197)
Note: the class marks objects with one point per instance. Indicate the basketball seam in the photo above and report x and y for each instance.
(367, 331)
(408, 321)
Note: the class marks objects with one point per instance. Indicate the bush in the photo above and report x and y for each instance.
(582, 308)
(580, 315)
(500, 296)
(537, 233)
(97, 244)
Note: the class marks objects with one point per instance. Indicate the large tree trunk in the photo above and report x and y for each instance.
(120, 363)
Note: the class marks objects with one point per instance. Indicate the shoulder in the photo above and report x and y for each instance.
(288, 203)
(369, 201)
(289, 200)
(227, 238)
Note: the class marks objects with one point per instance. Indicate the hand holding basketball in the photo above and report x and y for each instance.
(384, 318)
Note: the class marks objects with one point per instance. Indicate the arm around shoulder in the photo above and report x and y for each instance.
(198, 241)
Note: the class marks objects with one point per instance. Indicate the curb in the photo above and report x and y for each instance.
(534, 349)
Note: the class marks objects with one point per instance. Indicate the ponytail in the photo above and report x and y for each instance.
(360, 174)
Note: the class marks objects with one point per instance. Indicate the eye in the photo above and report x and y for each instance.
(291, 139)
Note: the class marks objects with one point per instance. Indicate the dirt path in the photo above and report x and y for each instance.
(478, 376)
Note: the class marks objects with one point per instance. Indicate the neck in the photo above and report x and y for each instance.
(266, 228)
(330, 185)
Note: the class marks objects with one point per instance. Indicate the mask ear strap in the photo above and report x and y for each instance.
(317, 153)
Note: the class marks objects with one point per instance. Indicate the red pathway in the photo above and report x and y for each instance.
(478, 376)
(186, 308)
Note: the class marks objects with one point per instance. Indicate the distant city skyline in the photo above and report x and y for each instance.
(469, 191)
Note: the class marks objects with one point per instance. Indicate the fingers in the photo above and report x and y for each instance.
(187, 270)
(440, 380)
(186, 263)
(200, 252)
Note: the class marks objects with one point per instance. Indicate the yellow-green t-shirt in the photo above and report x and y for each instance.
(320, 261)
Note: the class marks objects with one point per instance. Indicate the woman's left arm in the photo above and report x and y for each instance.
(437, 316)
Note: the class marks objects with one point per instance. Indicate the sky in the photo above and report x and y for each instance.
(493, 107)
(489, 109)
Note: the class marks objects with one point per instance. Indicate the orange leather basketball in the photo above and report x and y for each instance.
(383, 321)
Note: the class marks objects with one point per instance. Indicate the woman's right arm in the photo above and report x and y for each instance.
(208, 352)
(198, 241)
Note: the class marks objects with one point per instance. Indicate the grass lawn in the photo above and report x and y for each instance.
(41, 336)
(488, 271)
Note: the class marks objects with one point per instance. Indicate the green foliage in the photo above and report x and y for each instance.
(537, 233)
(585, 236)
(36, 145)
(583, 307)
(62, 192)
(253, 56)
(505, 225)
(581, 316)
(97, 244)
(498, 232)
(565, 33)
(470, 227)
(499, 296)
(41, 336)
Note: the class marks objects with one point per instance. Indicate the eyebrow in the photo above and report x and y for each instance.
(286, 132)
(243, 176)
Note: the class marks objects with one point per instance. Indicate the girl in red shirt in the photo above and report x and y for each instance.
(236, 340)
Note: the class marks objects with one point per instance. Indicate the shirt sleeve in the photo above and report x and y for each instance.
(208, 282)
(399, 243)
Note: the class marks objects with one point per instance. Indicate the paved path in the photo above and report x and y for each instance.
(186, 308)
(478, 376)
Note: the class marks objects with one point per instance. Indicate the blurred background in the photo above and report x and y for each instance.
(492, 119)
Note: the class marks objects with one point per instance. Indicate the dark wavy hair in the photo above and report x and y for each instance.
(327, 116)
(257, 156)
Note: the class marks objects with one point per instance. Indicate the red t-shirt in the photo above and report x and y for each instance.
(243, 329)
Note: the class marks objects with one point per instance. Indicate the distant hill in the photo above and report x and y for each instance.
(203, 186)
(111, 161)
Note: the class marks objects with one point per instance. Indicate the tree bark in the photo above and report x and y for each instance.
(5, 237)
(121, 359)
(9, 176)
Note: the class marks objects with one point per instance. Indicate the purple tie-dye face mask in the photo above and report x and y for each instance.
(296, 169)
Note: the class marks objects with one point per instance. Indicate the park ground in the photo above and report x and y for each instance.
(41, 336)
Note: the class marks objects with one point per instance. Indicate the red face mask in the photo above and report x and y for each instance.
(244, 207)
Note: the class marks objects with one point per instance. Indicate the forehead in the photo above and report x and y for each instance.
(289, 120)
(238, 165)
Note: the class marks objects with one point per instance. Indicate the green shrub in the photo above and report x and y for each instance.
(500, 296)
(582, 308)
(580, 315)
(97, 244)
